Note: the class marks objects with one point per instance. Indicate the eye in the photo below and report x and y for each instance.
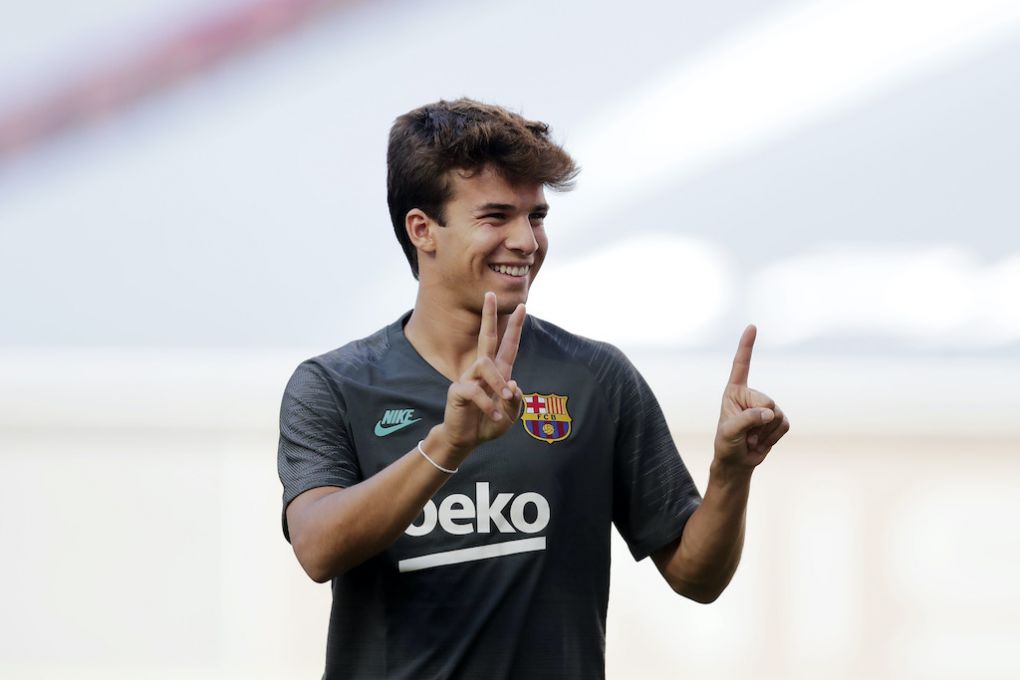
(494, 216)
(537, 217)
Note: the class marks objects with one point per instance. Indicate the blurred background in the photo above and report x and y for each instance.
(192, 201)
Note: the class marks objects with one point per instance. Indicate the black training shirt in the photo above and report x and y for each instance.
(505, 572)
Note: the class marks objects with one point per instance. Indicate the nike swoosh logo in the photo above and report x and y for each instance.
(383, 430)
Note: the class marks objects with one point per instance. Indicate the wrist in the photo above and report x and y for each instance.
(728, 473)
(441, 450)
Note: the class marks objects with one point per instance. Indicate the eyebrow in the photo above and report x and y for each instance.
(506, 207)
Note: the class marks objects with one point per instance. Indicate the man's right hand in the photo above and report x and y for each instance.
(333, 529)
(485, 402)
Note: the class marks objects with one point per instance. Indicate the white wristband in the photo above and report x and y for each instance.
(434, 463)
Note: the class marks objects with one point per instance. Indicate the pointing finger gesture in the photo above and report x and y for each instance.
(750, 423)
(742, 360)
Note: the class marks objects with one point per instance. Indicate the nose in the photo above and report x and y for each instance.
(521, 236)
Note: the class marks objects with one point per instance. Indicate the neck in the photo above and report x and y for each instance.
(446, 335)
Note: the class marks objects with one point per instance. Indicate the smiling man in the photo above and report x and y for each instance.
(456, 474)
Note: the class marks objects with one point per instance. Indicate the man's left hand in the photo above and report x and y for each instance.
(750, 422)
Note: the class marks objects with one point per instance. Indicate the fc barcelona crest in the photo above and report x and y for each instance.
(545, 417)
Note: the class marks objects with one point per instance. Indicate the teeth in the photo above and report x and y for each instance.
(512, 271)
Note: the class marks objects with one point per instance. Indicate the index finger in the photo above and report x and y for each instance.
(511, 341)
(487, 338)
(742, 360)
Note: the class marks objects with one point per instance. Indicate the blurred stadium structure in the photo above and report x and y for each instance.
(192, 200)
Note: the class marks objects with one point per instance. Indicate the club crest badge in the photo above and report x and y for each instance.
(545, 417)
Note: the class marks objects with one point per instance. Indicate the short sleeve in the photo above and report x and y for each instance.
(653, 493)
(315, 445)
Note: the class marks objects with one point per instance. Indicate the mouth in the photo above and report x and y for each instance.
(515, 271)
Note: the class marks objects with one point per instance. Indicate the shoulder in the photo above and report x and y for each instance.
(356, 355)
(604, 360)
(348, 362)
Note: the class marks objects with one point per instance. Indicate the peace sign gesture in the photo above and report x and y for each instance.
(750, 422)
(484, 402)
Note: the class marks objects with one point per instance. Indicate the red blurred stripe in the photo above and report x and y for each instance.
(113, 87)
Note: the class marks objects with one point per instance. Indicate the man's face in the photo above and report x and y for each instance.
(494, 239)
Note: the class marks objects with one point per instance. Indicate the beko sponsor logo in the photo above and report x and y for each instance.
(459, 514)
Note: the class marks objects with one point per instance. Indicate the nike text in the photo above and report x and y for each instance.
(394, 419)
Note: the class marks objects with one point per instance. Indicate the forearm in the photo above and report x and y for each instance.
(340, 530)
(703, 563)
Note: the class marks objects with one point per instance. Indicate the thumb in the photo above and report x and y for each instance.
(737, 426)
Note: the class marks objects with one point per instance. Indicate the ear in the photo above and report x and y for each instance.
(420, 229)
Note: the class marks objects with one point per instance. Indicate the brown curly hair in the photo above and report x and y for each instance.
(430, 141)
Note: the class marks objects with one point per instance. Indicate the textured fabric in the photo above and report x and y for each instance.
(505, 573)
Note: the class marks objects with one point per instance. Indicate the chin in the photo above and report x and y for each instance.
(507, 303)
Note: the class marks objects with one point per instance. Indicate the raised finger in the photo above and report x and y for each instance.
(742, 360)
(511, 341)
(487, 337)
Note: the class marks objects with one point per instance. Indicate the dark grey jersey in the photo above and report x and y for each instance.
(505, 573)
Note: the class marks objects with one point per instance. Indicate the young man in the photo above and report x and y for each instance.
(456, 474)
